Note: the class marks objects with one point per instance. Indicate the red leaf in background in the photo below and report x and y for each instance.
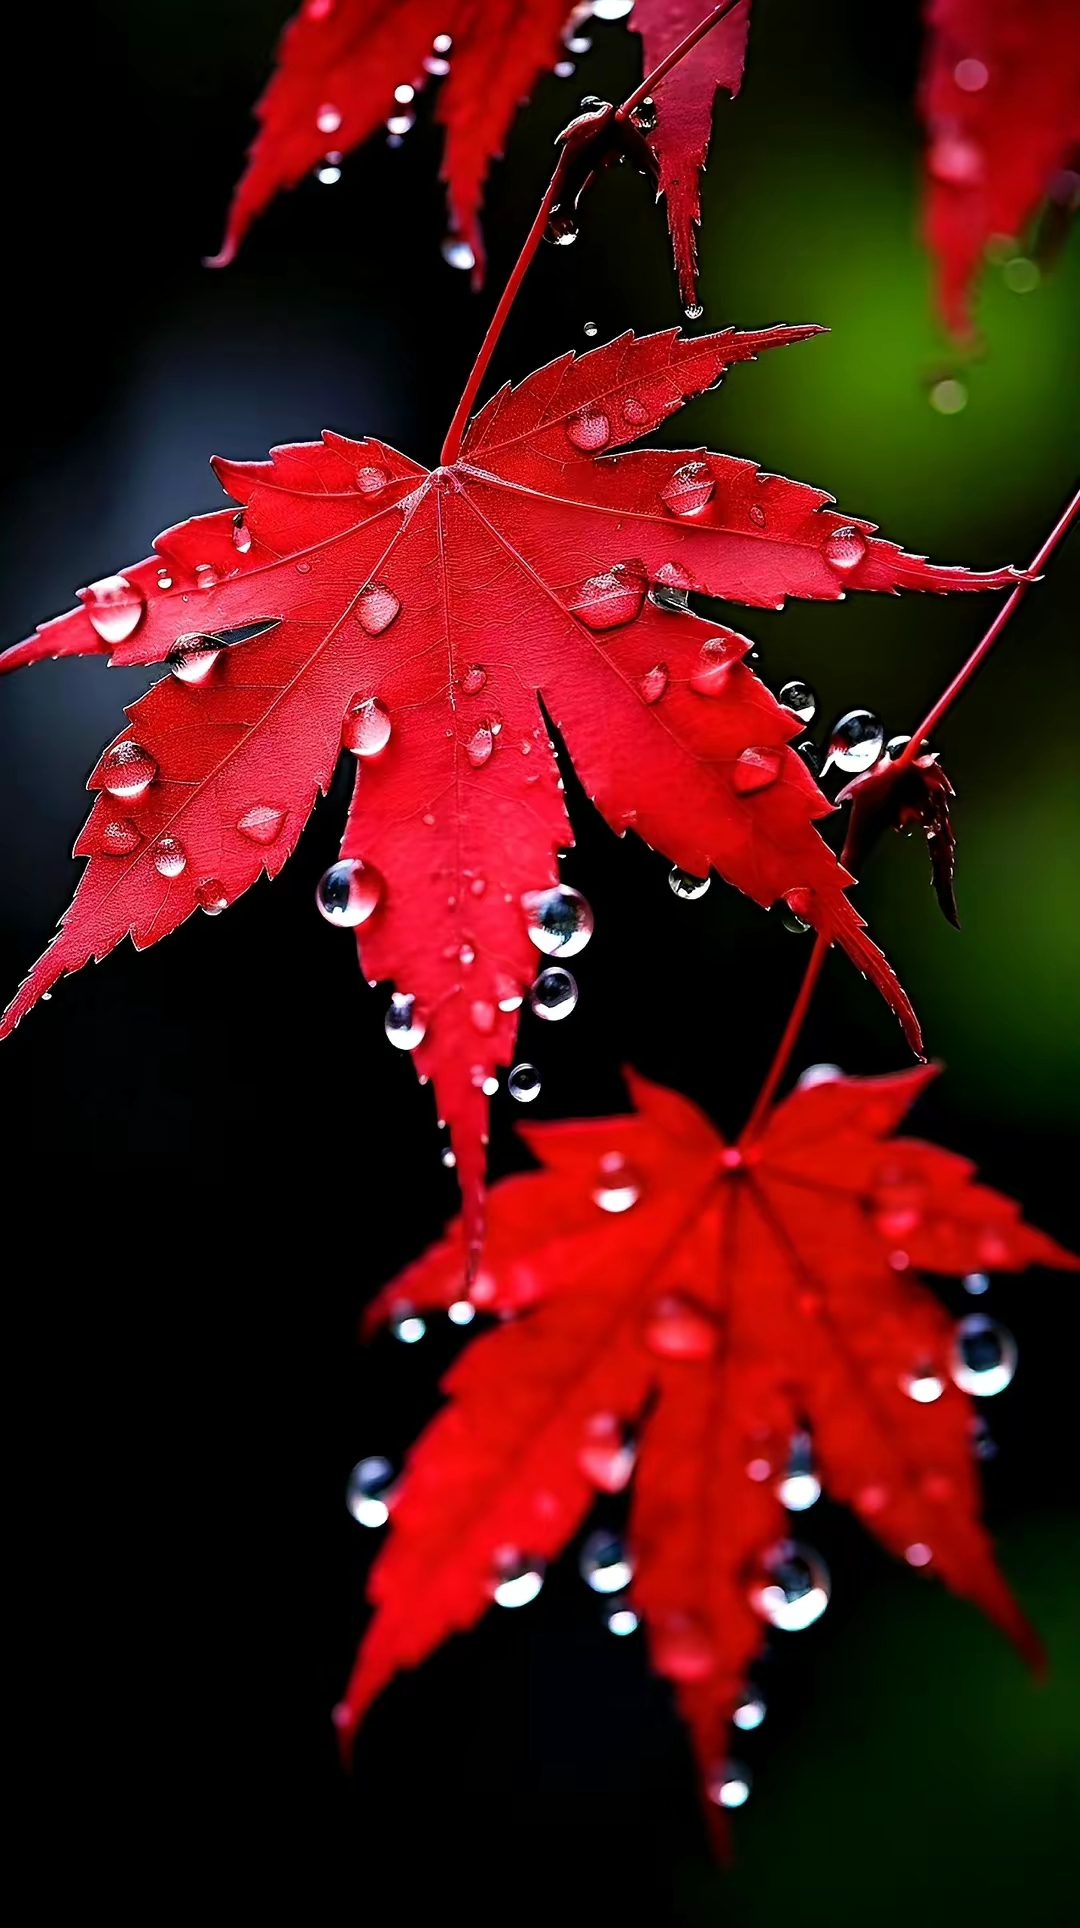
(695, 1307)
(1000, 96)
(909, 796)
(416, 618)
(340, 62)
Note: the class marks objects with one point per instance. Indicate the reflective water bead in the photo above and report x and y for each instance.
(328, 119)
(617, 1186)
(690, 489)
(799, 698)
(348, 892)
(263, 823)
(621, 1619)
(408, 1326)
(368, 1491)
(371, 481)
(896, 746)
(590, 430)
(518, 1578)
(115, 608)
(685, 885)
(206, 576)
(728, 1785)
(611, 9)
(791, 1588)
(474, 679)
(328, 175)
(756, 769)
(449, 1159)
(856, 742)
(120, 837)
(610, 600)
(193, 658)
(480, 745)
(560, 921)
(442, 43)
(720, 654)
(212, 897)
(654, 683)
(404, 1027)
(462, 1312)
(793, 922)
(918, 1554)
(976, 1283)
(170, 857)
(127, 770)
(607, 1454)
(644, 115)
(676, 1329)
(984, 1356)
(923, 1385)
(816, 1074)
(376, 607)
(523, 1083)
(367, 728)
(554, 994)
(241, 535)
(749, 1713)
(591, 329)
(798, 1486)
(603, 1563)
(844, 549)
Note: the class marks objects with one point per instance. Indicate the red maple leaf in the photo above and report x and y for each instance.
(1000, 96)
(345, 67)
(680, 1311)
(416, 617)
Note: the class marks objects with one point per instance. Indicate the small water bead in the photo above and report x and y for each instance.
(212, 897)
(523, 1083)
(115, 608)
(367, 1494)
(976, 1283)
(206, 576)
(685, 885)
(438, 68)
(798, 1486)
(466, 954)
(590, 430)
(403, 94)
(799, 698)
(720, 654)
(971, 76)
(404, 1027)
(347, 893)
(923, 1385)
(609, 600)
(328, 175)
(611, 9)
(560, 921)
(676, 1329)
(367, 728)
(791, 1588)
(844, 549)
(749, 1713)
(328, 119)
(591, 329)
(408, 1326)
(400, 124)
(376, 608)
(756, 769)
(518, 1578)
(480, 745)
(127, 770)
(621, 1619)
(474, 679)
(693, 311)
(793, 922)
(644, 115)
(654, 683)
(690, 489)
(949, 396)
(984, 1356)
(371, 481)
(618, 1185)
(241, 535)
(554, 994)
(193, 658)
(856, 742)
(607, 1454)
(442, 43)
(263, 823)
(462, 1312)
(170, 857)
(120, 837)
(758, 516)
(729, 1784)
(164, 581)
(603, 1563)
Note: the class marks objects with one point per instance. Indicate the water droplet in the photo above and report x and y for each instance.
(115, 608)
(263, 823)
(756, 769)
(466, 954)
(749, 1713)
(612, 598)
(457, 253)
(644, 115)
(371, 481)
(791, 1587)
(603, 1563)
(971, 76)
(368, 1492)
(432, 64)
(348, 892)
(799, 698)
(328, 120)
(367, 727)
(681, 1648)
(462, 1312)
(404, 1026)
(403, 93)
(690, 489)
(563, 69)
(442, 43)
(844, 549)
(589, 430)
(617, 1186)
(120, 837)
(241, 535)
(654, 683)
(192, 659)
(211, 896)
(560, 920)
(170, 857)
(693, 311)
(984, 1356)
(164, 581)
(328, 175)
(798, 1486)
(376, 608)
(856, 742)
(518, 1578)
(676, 1329)
(918, 1554)
(728, 1784)
(686, 885)
(793, 922)
(816, 1074)
(719, 656)
(206, 576)
(126, 769)
(923, 1385)
(757, 515)
(523, 1083)
(554, 994)
(621, 1618)
(1021, 275)
(608, 1454)
(949, 396)
(480, 745)
(407, 1325)
(474, 679)
(976, 1283)
(591, 329)
(449, 1159)
(635, 410)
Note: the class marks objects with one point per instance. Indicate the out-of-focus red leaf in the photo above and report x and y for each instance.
(906, 796)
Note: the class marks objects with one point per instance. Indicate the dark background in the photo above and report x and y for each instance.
(213, 1159)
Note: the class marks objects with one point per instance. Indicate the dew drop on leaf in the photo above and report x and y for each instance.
(728, 1784)
(474, 679)
(922, 1384)
(371, 481)
(120, 837)
(676, 1329)
(609, 600)
(756, 769)
(976, 1283)
(617, 1186)
(523, 1083)
(844, 549)
(654, 683)
(376, 608)
(115, 608)
(127, 770)
(560, 921)
(404, 1026)
(607, 1454)
(590, 430)
(604, 1564)
(367, 1494)
(348, 892)
(798, 1486)
(984, 1356)
(367, 727)
(686, 885)
(212, 897)
(690, 489)
(791, 1586)
(170, 857)
(517, 1578)
(407, 1325)
(480, 745)
(263, 823)
(554, 994)
(193, 658)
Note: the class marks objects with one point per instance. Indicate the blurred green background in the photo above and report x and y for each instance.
(212, 1162)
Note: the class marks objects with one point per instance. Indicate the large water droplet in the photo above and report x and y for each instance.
(120, 837)
(816, 1074)
(192, 659)
(798, 1486)
(127, 770)
(367, 1494)
(844, 549)
(458, 254)
(517, 1579)
(376, 608)
(590, 430)
(654, 683)
(686, 885)
(348, 892)
(856, 742)
(690, 490)
(114, 607)
(169, 856)
(474, 679)
(560, 920)
(367, 727)
(791, 1587)
(407, 1325)
(749, 1713)
(728, 1784)
(603, 1563)
(523, 1083)
(799, 698)
(984, 1356)
(480, 745)
(263, 823)
(719, 656)
(405, 1028)
(922, 1384)
(677, 1329)
(554, 994)
(608, 1454)
(617, 1186)
(609, 600)
(756, 769)
(212, 897)
(371, 481)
